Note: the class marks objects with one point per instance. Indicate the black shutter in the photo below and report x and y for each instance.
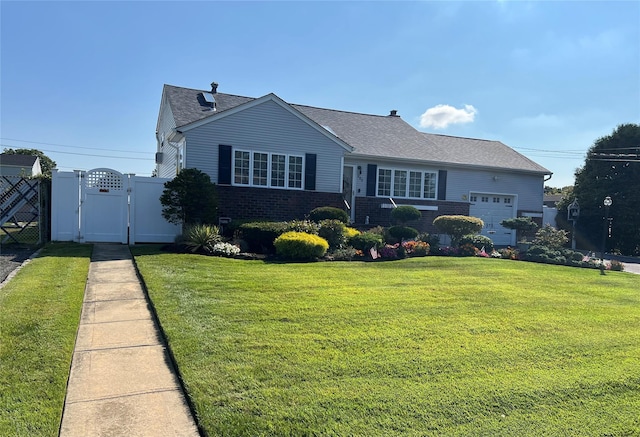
(442, 185)
(372, 176)
(310, 171)
(224, 165)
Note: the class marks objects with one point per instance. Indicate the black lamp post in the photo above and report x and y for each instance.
(573, 212)
(606, 224)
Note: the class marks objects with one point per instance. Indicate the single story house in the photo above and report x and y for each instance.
(274, 160)
(19, 165)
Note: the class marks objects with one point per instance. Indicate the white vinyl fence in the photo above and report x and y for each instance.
(103, 205)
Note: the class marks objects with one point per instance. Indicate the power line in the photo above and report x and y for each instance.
(86, 154)
(72, 147)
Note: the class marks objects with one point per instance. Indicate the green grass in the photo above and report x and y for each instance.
(39, 316)
(428, 346)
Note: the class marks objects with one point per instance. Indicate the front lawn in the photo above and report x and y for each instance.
(423, 346)
(39, 316)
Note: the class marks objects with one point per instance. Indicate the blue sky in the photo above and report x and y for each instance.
(82, 81)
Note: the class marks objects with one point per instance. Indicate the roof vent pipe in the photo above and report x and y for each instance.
(394, 113)
(214, 87)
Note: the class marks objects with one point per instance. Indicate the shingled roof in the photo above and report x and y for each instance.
(373, 136)
(17, 160)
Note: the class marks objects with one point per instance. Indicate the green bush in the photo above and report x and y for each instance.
(189, 198)
(479, 241)
(456, 226)
(366, 241)
(334, 231)
(259, 236)
(551, 237)
(300, 246)
(405, 213)
(200, 238)
(522, 226)
(328, 213)
(403, 232)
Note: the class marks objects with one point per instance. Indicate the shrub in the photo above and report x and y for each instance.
(189, 198)
(351, 232)
(551, 237)
(328, 213)
(344, 254)
(615, 265)
(467, 249)
(522, 225)
(416, 248)
(392, 251)
(403, 232)
(366, 241)
(509, 253)
(300, 246)
(260, 235)
(200, 238)
(405, 213)
(479, 241)
(458, 225)
(225, 249)
(334, 231)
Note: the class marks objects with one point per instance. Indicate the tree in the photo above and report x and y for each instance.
(457, 226)
(46, 163)
(612, 168)
(189, 198)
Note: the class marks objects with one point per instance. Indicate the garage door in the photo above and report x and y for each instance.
(492, 209)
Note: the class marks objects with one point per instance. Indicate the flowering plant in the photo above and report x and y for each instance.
(225, 249)
(416, 248)
(389, 251)
(448, 251)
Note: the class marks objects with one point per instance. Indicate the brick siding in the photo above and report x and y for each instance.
(270, 204)
(370, 206)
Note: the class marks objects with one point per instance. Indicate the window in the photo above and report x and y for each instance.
(473, 199)
(507, 200)
(496, 200)
(406, 183)
(261, 169)
(485, 199)
(278, 170)
(295, 172)
(241, 167)
(415, 184)
(400, 183)
(430, 185)
(384, 182)
(260, 165)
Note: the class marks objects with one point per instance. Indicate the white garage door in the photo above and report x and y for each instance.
(492, 209)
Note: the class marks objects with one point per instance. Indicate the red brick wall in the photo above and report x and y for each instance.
(277, 205)
(370, 206)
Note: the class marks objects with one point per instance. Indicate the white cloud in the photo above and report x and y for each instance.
(441, 116)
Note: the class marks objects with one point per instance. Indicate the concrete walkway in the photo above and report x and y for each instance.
(122, 382)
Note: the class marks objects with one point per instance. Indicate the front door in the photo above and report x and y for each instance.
(348, 193)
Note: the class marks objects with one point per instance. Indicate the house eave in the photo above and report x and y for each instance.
(429, 163)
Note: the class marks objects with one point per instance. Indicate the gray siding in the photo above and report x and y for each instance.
(529, 189)
(266, 127)
(166, 124)
(460, 182)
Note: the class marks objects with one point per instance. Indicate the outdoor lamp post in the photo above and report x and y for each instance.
(607, 203)
(573, 212)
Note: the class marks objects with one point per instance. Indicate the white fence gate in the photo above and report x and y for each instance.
(103, 205)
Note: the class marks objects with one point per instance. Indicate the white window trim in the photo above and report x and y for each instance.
(269, 163)
(408, 170)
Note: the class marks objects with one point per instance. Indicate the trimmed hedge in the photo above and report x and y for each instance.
(334, 231)
(403, 232)
(328, 213)
(300, 246)
(458, 226)
(478, 241)
(366, 241)
(259, 236)
(405, 213)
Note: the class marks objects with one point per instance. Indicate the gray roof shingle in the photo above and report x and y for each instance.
(16, 160)
(371, 135)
